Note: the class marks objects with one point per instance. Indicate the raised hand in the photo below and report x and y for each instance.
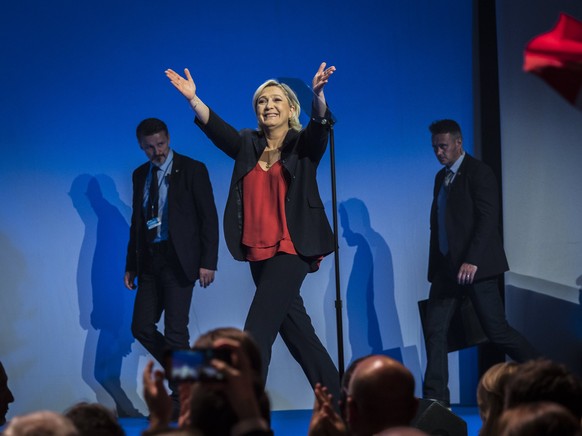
(239, 383)
(321, 78)
(186, 86)
(325, 421)
(157, 399)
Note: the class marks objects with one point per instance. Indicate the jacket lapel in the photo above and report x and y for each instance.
(174, 177)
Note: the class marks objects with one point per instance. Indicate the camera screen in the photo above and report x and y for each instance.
(194, 365)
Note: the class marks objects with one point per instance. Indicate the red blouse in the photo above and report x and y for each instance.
(265, 230)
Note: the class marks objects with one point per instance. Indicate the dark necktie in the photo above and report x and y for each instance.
(152, 208)
(442, 205)
(448, 178)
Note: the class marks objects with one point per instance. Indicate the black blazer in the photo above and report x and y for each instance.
(301, 153)
(192, 217)
(472, 221)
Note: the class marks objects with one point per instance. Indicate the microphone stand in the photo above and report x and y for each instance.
(338, 297)
(305, 95)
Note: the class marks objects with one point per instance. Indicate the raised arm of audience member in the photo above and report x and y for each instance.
(157, 399)
(240, 387)
(325, 421)
(160, 403)
(185, 393)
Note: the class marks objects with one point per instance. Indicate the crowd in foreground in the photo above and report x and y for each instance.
(538, 397)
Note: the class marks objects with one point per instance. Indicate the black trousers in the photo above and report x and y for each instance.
(277, 307)
(162, 288)
(445, 295)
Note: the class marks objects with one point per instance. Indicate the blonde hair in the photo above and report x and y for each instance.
(291, 99)
(491, 393)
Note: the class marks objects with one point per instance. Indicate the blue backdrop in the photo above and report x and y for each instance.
(77, 77)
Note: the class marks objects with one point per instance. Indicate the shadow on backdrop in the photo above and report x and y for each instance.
(363, 327)
(370, 304)
(105, 305)
(14, 272)
(373, 323)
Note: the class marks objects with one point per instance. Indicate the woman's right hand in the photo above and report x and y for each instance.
(186, 85)
(187, 88)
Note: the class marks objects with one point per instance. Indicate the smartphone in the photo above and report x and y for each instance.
(194, 365)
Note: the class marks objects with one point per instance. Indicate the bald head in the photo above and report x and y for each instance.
(380, 395)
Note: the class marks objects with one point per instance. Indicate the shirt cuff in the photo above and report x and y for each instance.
(320, 120)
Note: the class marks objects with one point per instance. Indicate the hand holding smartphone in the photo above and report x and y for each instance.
(194, 365)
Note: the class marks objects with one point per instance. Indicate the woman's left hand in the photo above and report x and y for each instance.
(321, 78)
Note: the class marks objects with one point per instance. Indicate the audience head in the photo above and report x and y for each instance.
(491, 393)
(544, 380)
(538, 419)
(43, 423)
(92, 419)
(206, 340)
(210, 408)
(6, 396)
(345, 384)
(380, 396)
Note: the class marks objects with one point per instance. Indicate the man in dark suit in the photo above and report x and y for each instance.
(173, 240)
(466, 257)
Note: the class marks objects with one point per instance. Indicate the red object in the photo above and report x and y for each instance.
(265, 230)
(556, 56)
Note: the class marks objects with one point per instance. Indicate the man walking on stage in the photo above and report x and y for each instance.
(173, 240)
(466, 257)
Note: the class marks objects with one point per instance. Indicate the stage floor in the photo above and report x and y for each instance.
(296, 422)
